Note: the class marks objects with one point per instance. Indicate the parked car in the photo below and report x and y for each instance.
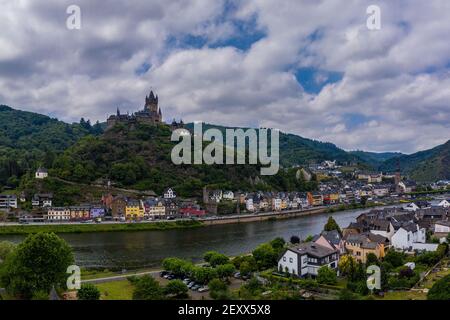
(203, 289)
(191, 284)
(237, 275)
(186, 281)
(195, 287)
(163, 273)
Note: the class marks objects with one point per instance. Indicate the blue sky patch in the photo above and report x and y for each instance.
(313, 80)
(143, 68)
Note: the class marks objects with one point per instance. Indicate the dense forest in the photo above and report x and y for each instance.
(29, 140)
(139, 158)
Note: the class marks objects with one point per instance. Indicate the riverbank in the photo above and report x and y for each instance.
(168, 225)
(98, 227)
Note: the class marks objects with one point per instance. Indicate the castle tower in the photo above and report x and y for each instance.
(151, 103)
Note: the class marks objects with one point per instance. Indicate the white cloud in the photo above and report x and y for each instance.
(393, 95)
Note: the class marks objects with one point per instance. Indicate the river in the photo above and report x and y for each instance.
(143, 249)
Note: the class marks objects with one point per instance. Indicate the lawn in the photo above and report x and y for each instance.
(116, 290)
(100, 227)
(404, 295)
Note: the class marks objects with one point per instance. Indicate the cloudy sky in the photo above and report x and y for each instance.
(308, 67)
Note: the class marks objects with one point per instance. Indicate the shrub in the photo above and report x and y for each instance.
(88, 292)
(440, 289)
(326, 275)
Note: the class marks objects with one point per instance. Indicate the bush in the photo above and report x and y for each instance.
(266, 256)
(326, 275)
(396, 259)
(176, 288)
(40, 295)
(346, 294)
(428, 258)
(440, 289)
(88, 292)
(147, 288)
(218, 290)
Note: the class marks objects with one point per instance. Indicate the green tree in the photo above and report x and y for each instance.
(347, 266)
(177, 289)
(177, 266)
(278, 243)
(265, 256)
(6, 248)
(147, 288)
(396, 259)
(39, 263)
(215, 259)
(225, 271)
(218, 289)
(203, 274)
(88, 292)
(440, 289)
(332, 225)
(326, 275)
(371, 259)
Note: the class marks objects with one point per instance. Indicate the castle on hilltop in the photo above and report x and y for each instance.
(151, 114)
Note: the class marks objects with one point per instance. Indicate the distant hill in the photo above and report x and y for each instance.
(139, 158)
(29, 140)
(425, 166)
(375, 159)
(297, 151)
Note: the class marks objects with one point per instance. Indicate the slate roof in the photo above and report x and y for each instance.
(312, 249)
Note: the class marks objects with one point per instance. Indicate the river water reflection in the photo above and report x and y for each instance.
(148, 248)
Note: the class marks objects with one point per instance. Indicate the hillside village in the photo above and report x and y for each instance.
(335, 191)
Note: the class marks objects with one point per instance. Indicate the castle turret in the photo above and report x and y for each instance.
(151, 102)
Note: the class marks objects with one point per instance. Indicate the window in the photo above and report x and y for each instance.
(291, 260)
(284, 259)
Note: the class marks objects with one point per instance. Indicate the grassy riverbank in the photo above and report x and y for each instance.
(101, 227)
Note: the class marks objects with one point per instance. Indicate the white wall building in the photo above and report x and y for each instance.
(411, 207)
(442, 227)
(407, 235)
(307, 258)
(41, 173)
(444, 203)
(8, 201)
(169, 193)
(249, 205)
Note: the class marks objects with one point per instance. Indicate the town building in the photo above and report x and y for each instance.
(41, 173)
(407, 235)
(134, 210)
(42, 200)
(58, 214)
(306, 259)
(361, 244)
(118, 207)
(8, 201)
(82, 212)
(169, 193)
(154, 208)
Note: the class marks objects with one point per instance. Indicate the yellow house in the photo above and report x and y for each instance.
(134, 210)
(284, 204)
(360, 245)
